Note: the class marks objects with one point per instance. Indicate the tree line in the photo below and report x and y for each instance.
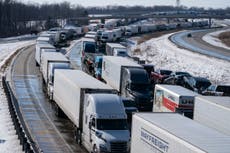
(19, 18)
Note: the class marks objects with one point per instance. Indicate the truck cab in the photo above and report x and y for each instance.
(135, 85)
(105, 126)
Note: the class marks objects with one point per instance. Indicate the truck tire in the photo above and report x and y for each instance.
(95, 150)
(58, 111)
(77, 135)
(36, 63)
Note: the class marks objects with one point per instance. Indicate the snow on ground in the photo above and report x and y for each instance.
(8, 49)
(9, 142)
(165, 55)
(212, 38)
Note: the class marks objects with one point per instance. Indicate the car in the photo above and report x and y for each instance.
(189, 35)
(217, 90)
(198, 84)
(180, 73)
(160, 75)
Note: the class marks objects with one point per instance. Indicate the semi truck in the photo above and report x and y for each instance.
(129, 79)
(116, 49)
(40, 47)
(51, 61)
(214, 112)
(173, 98)
(174, 133)
(95, 109)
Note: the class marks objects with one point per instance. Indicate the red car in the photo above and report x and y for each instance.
(159, 75)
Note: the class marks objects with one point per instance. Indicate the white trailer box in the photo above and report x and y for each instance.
(51, 57)
(111, 46)
(68, 87)
(214, 112)
(39, 47)
(111, 69)
(172, 98)
(173, 133)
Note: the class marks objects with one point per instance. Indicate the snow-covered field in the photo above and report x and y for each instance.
(9, 142)
(212, 38)
(165, 55)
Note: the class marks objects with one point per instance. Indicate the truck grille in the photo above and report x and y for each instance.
(118, 147)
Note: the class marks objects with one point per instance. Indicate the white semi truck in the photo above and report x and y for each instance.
(129, 79)
(116, 49)
(214, 112)
(173, 98)
(174, 133)
(40, 47)
(51, 61)
(96, 111)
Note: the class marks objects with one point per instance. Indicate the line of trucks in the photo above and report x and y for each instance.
(98, 114)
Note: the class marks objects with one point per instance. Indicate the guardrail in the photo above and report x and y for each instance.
(28, 145)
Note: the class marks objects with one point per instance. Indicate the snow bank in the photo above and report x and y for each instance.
(166, 55)
(9, 142)
(212, 38)
(7, 50)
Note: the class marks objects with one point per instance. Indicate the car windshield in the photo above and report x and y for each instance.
(112, 124)
(89, 48)
(122, 53)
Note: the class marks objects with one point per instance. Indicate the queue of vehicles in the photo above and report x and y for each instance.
(100, 111)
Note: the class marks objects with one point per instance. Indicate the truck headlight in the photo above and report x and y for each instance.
(99, 135)
(102, 148)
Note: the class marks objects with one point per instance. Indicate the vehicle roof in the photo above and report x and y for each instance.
(178, 90)
(87, 39)
(121, 61)
(47, 45)
(201, 79)
(54, 56)
(107, 101)
(217, 100)
(190, 131)
(117, 45)
(43, 38)
(83, 80)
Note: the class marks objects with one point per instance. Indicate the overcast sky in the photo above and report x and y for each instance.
(189, 3)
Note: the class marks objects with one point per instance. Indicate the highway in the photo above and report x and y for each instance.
(196, 44)
(50, 133)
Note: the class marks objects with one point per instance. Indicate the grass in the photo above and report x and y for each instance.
(225, 38)
(146, 37)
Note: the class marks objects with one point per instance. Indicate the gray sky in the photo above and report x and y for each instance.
(189, 3)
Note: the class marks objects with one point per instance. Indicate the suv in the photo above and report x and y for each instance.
(217, 90)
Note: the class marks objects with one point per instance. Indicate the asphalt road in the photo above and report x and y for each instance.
(196, 44)
(52, 134)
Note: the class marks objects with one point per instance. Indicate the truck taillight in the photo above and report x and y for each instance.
(83, 53)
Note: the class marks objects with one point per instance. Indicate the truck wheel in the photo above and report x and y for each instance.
(78, 136)
(95, 150)
(37, 63)
(58, 111)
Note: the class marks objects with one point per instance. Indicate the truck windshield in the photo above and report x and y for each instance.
(89, 48)
(112, 124)
(140, 87)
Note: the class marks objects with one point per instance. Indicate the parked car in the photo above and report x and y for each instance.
(217, 90)
(159, 75)
(198, 84)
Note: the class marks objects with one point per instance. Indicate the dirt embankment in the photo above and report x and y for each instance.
(225, 38)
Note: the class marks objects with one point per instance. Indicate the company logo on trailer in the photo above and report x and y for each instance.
(154, 141)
